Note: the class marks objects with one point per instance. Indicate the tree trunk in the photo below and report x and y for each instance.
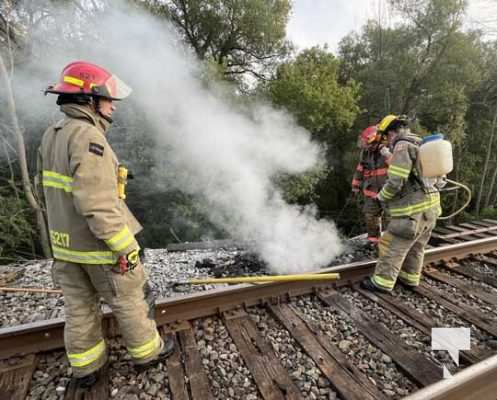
(21, 155)
(494, 175)
(485, 167)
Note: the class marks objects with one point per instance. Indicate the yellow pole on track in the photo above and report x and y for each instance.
(30, 290)
(264, 278)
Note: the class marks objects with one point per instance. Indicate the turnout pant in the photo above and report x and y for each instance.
(401, 250)
(83, 286)
(372, 214)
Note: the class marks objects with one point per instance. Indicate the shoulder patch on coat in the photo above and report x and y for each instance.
(96, 148)
(401, 146)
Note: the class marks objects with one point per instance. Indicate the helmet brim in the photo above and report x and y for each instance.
(113, 89)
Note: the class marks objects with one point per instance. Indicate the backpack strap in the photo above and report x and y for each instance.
(414, 175)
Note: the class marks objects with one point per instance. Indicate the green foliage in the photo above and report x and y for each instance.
(308, 87)
(17, 227)
(172, 216)
(426, 65)
(301, 188)
(244, 37)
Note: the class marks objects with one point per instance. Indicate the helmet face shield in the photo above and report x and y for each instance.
(116, 89)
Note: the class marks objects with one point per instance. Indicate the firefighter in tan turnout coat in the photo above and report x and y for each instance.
(413, 207)
(92, 232)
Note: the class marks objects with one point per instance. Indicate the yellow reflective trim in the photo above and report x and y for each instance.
(398, 171)
(56, 175)
(87, 357)
(386, 194)
(383, 282)
(124, 244)
(121, 240)
(416, 208)
(399, 174)
(73, 81)
(118, 236)
(147, 348)
(413, 210)
(411, 278)
(84, 257)
(57, 185)
(56, 180)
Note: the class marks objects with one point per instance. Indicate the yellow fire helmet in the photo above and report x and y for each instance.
(385, 122)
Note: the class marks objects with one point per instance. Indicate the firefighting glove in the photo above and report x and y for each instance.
(129, 261)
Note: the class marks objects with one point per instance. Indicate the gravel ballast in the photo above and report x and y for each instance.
(377, 365)
(228, 375)
(301, 368)
(413, 338)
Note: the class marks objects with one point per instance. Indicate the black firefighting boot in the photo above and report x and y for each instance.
(166, 351)
(406, 286)
(86, 382)
(367, 284)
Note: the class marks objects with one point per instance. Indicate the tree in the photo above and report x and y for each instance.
(309, 88)
(243, 37)
(15, 128)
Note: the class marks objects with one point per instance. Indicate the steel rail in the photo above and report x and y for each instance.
(48, 335)
(477, 382)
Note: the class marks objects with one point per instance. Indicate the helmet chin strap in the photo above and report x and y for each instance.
(96, 105)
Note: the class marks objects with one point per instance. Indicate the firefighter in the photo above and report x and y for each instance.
(413, 208)
(369, 177)
(92, 232)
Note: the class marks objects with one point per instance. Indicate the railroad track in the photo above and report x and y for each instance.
(346, 342)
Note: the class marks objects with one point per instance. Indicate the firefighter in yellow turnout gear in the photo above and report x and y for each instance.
(92, 232)
(413, 206)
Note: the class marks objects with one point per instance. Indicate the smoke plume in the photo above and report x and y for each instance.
(225, 154)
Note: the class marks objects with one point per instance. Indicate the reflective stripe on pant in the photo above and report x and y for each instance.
(82, 286)
(403, 258)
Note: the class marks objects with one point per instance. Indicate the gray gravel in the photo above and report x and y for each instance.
(228, 376)
(460, 297)
(413, 338)
(302, 369)
(481, 285)
(51, 378)
(481, 267)
(377, 365)
(443, 317)
(163, 268)
(127, 384)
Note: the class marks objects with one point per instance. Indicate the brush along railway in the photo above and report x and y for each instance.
(296, 340)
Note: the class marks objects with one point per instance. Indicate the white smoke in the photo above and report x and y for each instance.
(227, 155)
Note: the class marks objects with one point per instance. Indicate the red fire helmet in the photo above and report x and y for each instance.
(81, 77)
(368, 135)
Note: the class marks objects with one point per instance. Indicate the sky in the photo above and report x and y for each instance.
(327, 21)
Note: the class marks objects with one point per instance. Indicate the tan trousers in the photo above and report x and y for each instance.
(402, 248)
(83, 286)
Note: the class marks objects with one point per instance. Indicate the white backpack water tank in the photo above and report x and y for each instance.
(435, 156)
